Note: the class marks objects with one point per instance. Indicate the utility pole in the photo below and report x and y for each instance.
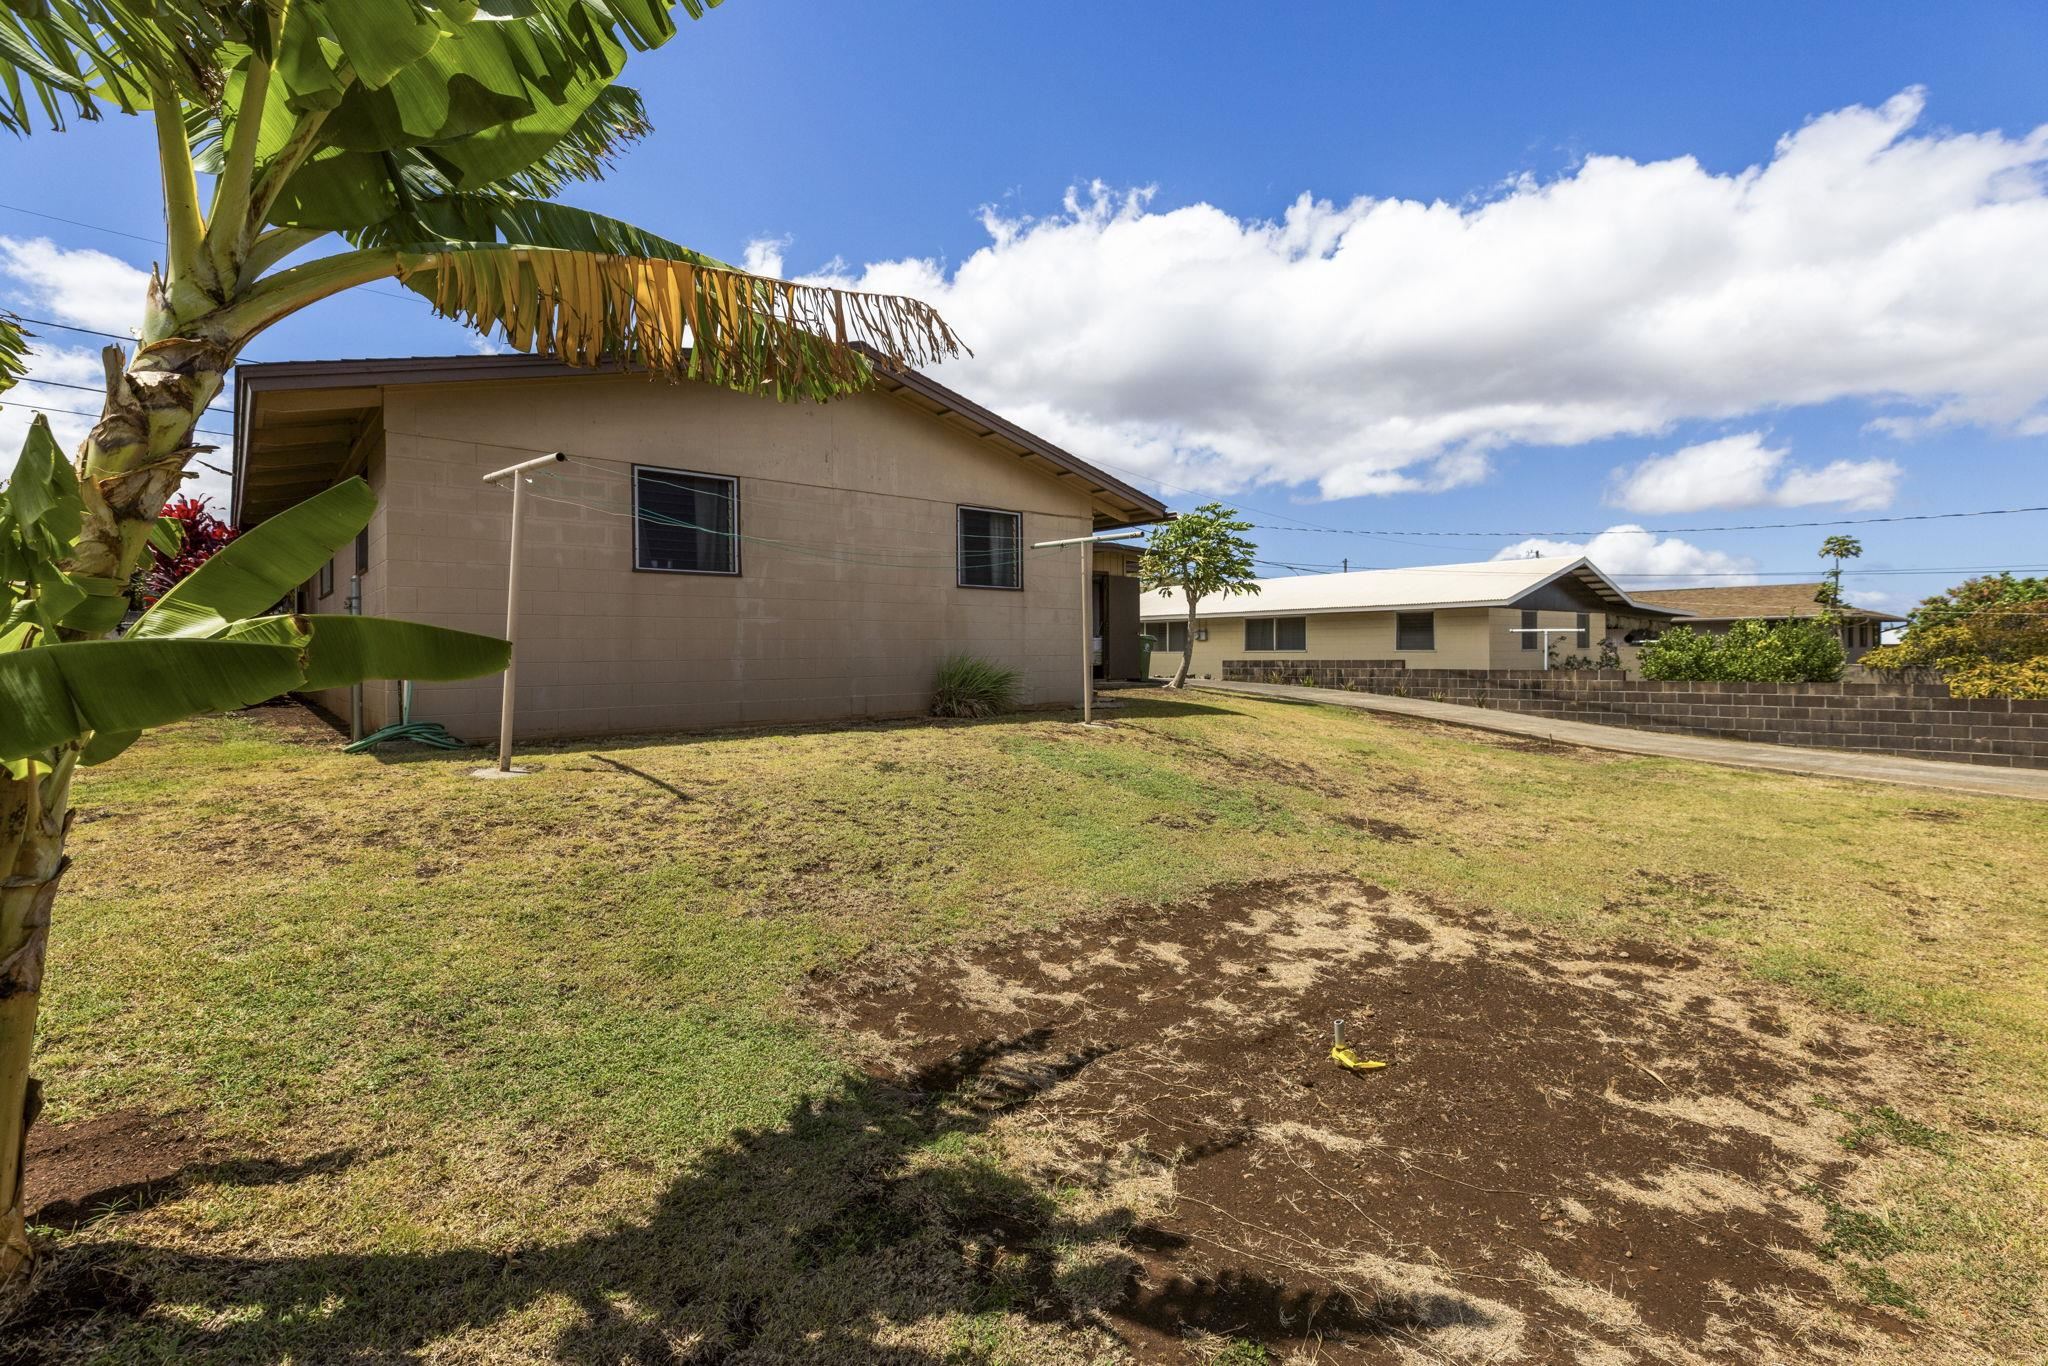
(516, 474)
(1088, 592)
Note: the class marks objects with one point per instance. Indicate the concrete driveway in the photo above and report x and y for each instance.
(1981, 780)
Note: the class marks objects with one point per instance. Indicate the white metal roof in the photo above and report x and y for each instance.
(1486, 583)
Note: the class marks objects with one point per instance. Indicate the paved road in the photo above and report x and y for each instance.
(1977, 779)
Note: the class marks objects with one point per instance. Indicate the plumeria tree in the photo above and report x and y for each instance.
(306, 147)
(1837, 549)
(1199, 554)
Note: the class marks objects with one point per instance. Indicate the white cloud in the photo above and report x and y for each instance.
(88, 288)
(1387, 345)
(1632, 554)
(1740, 471)
(18, 407)
(764, 256)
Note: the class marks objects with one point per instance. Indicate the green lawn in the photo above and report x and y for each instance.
(522, 1022)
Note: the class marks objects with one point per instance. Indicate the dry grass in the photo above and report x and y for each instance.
(538, 1019)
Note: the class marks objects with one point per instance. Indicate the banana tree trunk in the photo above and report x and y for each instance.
(35, 818)
(129, 467)
(134, 459)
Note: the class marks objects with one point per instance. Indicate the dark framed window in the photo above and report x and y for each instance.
(991, 548)
(1276, 633)
(1585, 630)
(1415, 630)
(685, 522)
(1529, 624)
(1171, 635)
(363, 551)
(327, 579)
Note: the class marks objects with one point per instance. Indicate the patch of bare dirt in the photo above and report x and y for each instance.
(1571, 1156)
(1392, 831)
(293, 722)
(123, 1161)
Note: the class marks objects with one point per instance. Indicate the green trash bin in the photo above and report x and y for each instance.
(1146, 645)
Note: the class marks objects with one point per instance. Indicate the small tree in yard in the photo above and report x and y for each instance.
(430, 136)
(1202, 555)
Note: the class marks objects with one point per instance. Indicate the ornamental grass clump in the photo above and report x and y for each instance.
(969, 687)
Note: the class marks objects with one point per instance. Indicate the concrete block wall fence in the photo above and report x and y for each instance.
(1916, 720)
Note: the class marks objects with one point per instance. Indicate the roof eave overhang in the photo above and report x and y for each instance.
(1116, 504)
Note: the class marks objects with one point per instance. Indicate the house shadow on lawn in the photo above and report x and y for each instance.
(864, 1227)
(301, 722)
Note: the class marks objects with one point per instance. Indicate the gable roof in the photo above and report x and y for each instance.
(1738, 602)
(299, 425)
(1484, 583)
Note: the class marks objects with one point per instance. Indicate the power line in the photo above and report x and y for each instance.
(881, 557)
(92, 389)
(94, 227)
(71, 327)
(80, 412)
(1675, 530)
(156, 241)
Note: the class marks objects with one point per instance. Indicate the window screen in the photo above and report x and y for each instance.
(685, 523)
(1415, 630)
(1529, 624)
(1276, 633)
(1585, 630)
(990, 548)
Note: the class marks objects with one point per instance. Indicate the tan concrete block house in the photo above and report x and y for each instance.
(703, 558)
(1442, 616)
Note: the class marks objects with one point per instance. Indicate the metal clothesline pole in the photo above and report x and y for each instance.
(505, 706)
(1545, 632)
(1087, 587)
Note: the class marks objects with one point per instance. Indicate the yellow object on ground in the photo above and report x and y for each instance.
(1342, 1055)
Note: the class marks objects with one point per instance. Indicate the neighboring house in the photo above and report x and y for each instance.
(1445, 616)
(705, 558)
(1716, 609)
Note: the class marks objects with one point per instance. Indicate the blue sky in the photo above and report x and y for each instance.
(1588, 332)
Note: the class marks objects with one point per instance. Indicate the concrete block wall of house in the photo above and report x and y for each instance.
(847, 525)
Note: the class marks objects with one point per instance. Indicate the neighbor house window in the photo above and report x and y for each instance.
(1585, 630)
(991, 548)
(1415, 630)
(685, 523)
(1276, 633)
(327, 579)
(1529, 624)
(1171, 635)
(363, 551)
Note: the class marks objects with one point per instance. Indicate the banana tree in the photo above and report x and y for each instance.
(422, 140)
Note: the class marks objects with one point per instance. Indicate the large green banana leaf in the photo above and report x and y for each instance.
(251, 573)
(344, 650)
(13, 351)
(113, 689)
(55, 694)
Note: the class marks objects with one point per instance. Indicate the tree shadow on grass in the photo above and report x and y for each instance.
(827, 1238)
(871, 1225)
